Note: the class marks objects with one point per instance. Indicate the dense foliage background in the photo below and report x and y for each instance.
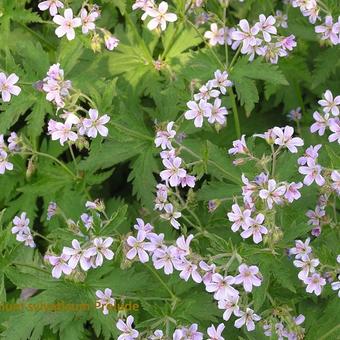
(142, 84)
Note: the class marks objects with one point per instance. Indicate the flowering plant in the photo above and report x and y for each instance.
(179, 156)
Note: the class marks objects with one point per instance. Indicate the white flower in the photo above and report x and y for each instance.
(52, 5)
(160, 16)
(7, 87)
(95, 124)
(66, 24)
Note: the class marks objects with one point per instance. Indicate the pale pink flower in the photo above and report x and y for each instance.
(217, 113)
(51, 210)
(239, 147)
(241, 218)
(336, 286)
(285, 138)
(27, 238)
(314, 283)
(66, 24)
(246, 35)
(60, 265)
(87, 20)
(128, 332)
(246, 318)
(256, 229)
(143, 4)
(142, 226)
(191, 333)
(171, 215)
(249, 277)
(7, 87)
(189, 269)
(215, 35)
(230, 305)
(335, 176)
(4, 163)
(321, 123)
(281, 19)
(221, 286)
(76, 254)
(163, 258)
(105, 300)
(183, 245)
(157, 335)
(301, 248)
(163, 137)
(307, 266)
(209, 271)
(310, 153)
(329, 30)
(330, 104)
(96, 124)
(292, 191)
(273, 193)
(266, 26)
(221, 81)
(173, 172)
(334, 126)
(100, 250)
(316, 215)
(156, 241)
(138, 247)
(51, 5)
(87, 220)
(312, 173)
(206, 92)
(188, 180)
(288, 43)
(63, 132)
(110, 41)
(197, 111)
(160, 16)
(20, 223)
(215, 333)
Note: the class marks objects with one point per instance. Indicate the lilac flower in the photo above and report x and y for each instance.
(161, 196)
(163, 258)
(110, 41)
(63, 132)
(87, 220)
(330, 104)
(221, 286)
(51, 210)
(138, 247)
(215, 35)
(160, 16)
(173, 173)
(221, 81)
(240, 147)
(266, 26)
(96, 124)
(87, 20)
(310, 153)
(281, 19)
(217, 113)
(329, 30)
(189, 269)
(128, 332)
(100, 250)
(163, 138)
(314, 283)
(13, 142)
(284, 138)
(239, 217)
(66, 24)
(192, 333)
(312, 172)
(334, 126)
(246, 35)
(142, 226)
(7, 87)
(301, 248)
(183, 245)
(76, 254)
(336, 286)
(292, 191)
(273, 193)
(321, 123)
(105, 300)
(51, 5)
(206, 92)
(60, 265)
(230, 305)
(20, 223)
(26, 237)
(209, 271)
(246, 318)
(249, 277)
(256, 229)
(168, 154)
(335, 176)
(171, 215)
(197, 111)
(288, 43)
(216, 333)
(307, 266)
(188, 180)
(295, 114)
(156, 241)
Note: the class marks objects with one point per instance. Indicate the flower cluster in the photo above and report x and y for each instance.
(88, 253)
(329, 118)
(8, 87)
(12, 147)
(105, 300)
(285, 327)
(22, 230)
(159, 14)
(329, 30)
(261, 39)
(86, 20)
(75, 126)
(304, 259)
(200, 108)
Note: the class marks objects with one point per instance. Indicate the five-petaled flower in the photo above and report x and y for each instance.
(67, 24)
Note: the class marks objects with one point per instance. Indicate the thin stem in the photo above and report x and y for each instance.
(41, 236)
(235, 112)
(73, 158)
(233, 61)
(131, 132)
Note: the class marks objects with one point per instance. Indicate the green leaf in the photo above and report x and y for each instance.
(217, 190)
